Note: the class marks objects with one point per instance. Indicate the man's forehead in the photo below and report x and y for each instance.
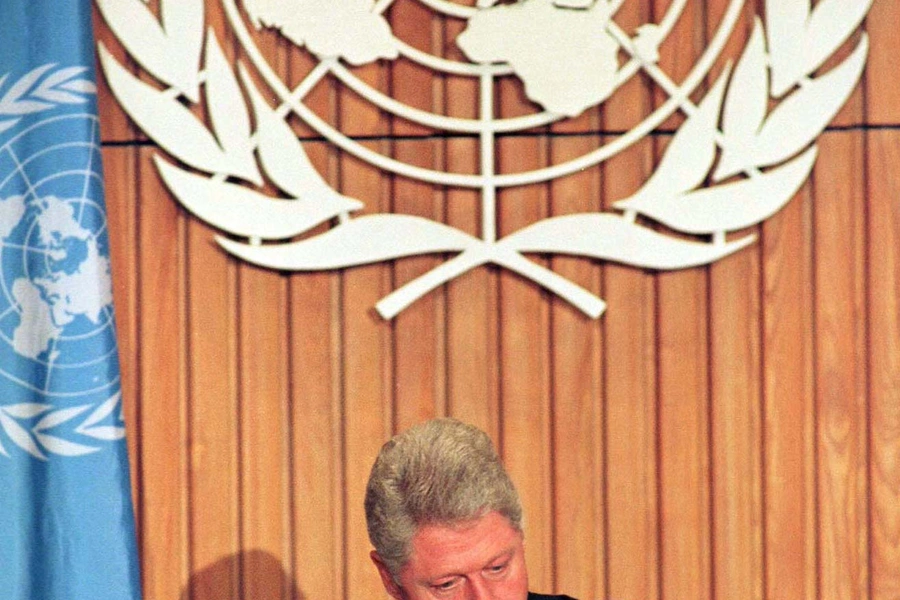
(440, 549)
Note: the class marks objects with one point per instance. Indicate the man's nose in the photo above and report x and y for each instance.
(479, 590)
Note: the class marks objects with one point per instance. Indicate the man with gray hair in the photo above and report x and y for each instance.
(445, 519)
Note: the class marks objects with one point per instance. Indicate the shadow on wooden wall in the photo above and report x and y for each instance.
(252, 574)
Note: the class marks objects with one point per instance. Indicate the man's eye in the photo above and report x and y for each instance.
(444, 586)
(497, 569)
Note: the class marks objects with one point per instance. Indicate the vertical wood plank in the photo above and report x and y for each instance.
(679, 52)
(684, 435)
(883, 260)
(577, 423)
(164, 426)
(883, 278)
(367, 411)
(851, 113)
(840, 367)
(263, 414)
(789, 480)
(212, 367)
(317, 489)
(736, 428)
(630, 388)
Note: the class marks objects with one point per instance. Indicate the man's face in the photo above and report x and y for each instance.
(482, 559)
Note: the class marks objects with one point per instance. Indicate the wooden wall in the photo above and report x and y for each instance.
(730, 432)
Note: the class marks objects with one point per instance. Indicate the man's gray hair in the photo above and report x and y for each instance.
(442, 471)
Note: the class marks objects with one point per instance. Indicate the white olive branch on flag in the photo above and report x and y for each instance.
(41, 89)
(30, 426)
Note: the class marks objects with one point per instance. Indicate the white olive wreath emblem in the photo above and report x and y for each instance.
(742, 153)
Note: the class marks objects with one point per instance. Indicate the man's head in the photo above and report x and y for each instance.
(442, 512)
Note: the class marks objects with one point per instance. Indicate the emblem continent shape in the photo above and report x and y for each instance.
(744, 150)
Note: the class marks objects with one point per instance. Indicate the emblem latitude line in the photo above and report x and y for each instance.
(725, 136)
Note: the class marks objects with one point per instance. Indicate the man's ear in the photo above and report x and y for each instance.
(386, 578)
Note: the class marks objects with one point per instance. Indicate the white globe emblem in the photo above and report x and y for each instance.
(569, 54)
(57, 338)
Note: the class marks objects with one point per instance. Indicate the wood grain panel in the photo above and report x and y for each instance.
(577, 412)
(576, 376)
(736, 428)
(162, 375)
(679, 52)
(631, 427)
(883, 229)
(840, 367)
(214, 410)
(684, 435)
(263, 414)
(632, 101)
(789, 414)
(367, 415)
(851, 113)
(212, 367)
(883, 260)
(316, 495)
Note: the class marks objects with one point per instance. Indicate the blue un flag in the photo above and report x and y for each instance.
(66, 520)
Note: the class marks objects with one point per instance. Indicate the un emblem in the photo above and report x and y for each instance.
(747, 144)
(57, 331)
